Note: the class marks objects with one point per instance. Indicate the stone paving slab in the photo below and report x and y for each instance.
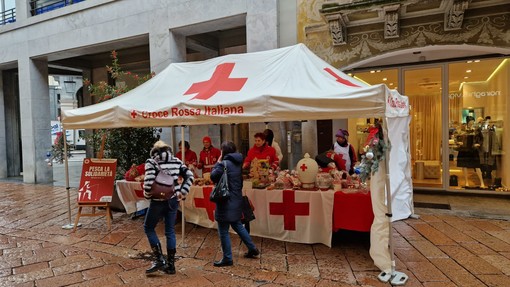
(439, 249)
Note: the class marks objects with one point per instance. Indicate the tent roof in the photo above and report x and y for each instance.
(284, 84)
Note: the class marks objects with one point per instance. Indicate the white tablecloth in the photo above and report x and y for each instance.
(288, 215)
(127, 195)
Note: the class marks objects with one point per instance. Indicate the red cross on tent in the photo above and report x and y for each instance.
(289, 208)
(206, 203)
(339, 79)
(219, 81)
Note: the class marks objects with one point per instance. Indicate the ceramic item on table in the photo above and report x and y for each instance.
(324, 180)
(307, 169)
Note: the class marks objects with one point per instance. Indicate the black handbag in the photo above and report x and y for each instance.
(220, 191)
(163, 185)
(247, 208)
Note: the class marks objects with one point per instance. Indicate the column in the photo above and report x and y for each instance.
(22, 10)
(3, 143)
(35, 120)
(262, 25)
(165, 48)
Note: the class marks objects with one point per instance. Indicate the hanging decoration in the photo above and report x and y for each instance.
(374, 151)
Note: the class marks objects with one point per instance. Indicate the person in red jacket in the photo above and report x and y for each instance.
(209, 155)
(261, 151)
(190, 157)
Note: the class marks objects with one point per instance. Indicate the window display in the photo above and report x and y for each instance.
(476, 106)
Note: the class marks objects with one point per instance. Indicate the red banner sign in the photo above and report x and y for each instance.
(97, 177)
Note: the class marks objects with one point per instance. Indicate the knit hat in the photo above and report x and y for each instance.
(159, 147)
(342, 133)
(206, 139)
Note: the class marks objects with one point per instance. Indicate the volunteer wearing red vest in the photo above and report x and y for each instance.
(208, 156)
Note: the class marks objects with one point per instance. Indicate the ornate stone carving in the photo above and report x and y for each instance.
(391, 24)
(367, 39)
(454, 15)
(337, 29)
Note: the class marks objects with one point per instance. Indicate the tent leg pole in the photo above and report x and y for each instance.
(70, 224)
(183, 221)
(396, 278)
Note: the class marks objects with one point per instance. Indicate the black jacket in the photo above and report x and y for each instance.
(230, 210)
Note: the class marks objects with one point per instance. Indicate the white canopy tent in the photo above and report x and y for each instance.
(284, 84)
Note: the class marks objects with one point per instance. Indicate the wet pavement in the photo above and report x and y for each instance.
(441, 248)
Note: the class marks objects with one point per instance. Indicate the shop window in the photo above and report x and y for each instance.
(390, 79)
(478, 92)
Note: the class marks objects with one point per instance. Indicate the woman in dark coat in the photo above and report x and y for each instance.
(228, 213)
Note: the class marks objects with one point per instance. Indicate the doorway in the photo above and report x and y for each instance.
(324, 135)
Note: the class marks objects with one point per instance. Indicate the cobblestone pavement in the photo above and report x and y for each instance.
(439, 249)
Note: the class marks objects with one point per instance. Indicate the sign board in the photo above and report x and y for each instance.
(74, 137)
(97, 178)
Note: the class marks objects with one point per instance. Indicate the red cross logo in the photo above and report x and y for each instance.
(133, 114)
(303, 167)
(340, 80)
(219, 81)
(139, 192)
(289, 208)
(206, 203)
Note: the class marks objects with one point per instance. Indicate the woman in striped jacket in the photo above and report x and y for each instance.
(162, 160)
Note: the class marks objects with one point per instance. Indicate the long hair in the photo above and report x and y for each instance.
(269, 136)
(228, 147)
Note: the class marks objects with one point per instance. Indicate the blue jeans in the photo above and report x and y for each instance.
(238, 227)
(157, 210)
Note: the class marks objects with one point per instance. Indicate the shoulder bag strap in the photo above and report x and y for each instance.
(225, 171)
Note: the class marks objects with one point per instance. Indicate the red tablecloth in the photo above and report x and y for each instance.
(352, 211)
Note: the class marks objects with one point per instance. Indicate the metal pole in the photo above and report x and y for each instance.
(183, 221)
(70, 225)
(397, 278)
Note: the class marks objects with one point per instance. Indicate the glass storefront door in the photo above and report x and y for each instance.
(423, 86)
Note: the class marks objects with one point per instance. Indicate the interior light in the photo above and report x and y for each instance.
(466, 77)
(384, 79)
(391, 84)
(359, 79)
(469, 62)
(371, 72)
(497, 69)
(378, 71)
(468, 71)
(477, 61)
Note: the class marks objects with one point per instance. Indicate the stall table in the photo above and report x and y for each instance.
(131, 195)
(288, 215)
(352, 211)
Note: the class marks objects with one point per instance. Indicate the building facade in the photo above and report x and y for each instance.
(422, 48)
(450, 57)
(76, 37)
